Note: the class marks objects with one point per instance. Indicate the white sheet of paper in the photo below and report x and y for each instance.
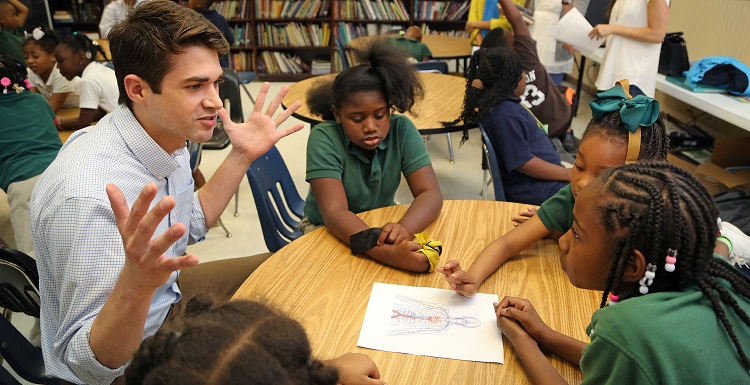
(573, 28)
(432, 322)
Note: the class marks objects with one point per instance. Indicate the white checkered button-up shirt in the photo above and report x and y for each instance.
(78, 248)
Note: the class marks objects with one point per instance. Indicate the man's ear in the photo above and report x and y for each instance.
(136, 88)
(635, 267)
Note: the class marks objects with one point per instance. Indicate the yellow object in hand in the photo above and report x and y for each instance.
(430, 248)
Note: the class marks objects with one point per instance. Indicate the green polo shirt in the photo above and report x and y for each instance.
(416, 49)
(665, 338)
(369, 184)
(11, 44)
(556, 213)
(28, 137)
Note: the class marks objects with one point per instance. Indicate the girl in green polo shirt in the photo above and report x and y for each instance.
(672, 311)
(356, 157)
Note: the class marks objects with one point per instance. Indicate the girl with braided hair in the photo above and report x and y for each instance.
(240, 342)
(355, 158)
(644, 233)
(99, 93)
(530, 167)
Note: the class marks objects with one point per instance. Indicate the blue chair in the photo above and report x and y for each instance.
(432, 66)
(19, 292)
(489, 161)
(280, 208)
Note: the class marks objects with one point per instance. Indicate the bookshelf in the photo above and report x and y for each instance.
(70, 16)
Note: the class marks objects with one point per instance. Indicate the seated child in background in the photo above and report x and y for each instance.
(529, 165)
(241, 342)
(643, 233)
(355, 158)
(44, 75)
(13, 14)
(29, 141)
(541, 95)
(411, 41)
(202, 7)
(99, 92)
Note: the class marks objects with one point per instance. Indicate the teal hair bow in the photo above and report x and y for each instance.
(640, 111)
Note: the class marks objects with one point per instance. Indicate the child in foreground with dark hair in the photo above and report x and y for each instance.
(606, 143)
(45, 77)
(99, 93)
(241, 342)
(644, 233)
(356, 157)
(529, 165)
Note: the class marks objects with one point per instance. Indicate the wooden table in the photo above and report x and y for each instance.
(442, 47)
(443, 99)
(317, 281)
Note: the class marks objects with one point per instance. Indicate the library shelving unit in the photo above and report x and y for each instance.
(70, 16)
(289, 40)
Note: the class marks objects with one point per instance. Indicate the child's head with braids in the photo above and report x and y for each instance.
(363, 96)
(611, 140)
(12, 76)
(648, 228)
(75, 53)
(239, 342)
(493, 76)
(39, 49)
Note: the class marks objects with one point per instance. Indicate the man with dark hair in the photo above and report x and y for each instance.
(110, 251)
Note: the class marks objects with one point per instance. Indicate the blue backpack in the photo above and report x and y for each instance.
(721, 71)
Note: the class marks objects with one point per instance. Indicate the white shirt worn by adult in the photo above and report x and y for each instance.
(57, 84)
(626, 58)
(99, 88)
(112, 14)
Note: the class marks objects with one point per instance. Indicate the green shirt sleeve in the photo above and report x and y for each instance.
(325, 152)
(413, 151)
(556, 213)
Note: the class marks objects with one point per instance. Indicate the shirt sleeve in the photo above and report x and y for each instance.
(556, 213)
(604, 362)
(89, 256)
(525, 46)
(413, 151)
(198, 228)
(89, 94)
(325, 154)
(508, 134)
(61, 85)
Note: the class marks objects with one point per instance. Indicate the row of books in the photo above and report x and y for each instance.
(293, 34)
(274, 62)
(232, 9)
(346, 32)
(243, 35)
(370, 10)
(241, 61)
(426, 30)
(440, 10)
(80, 11)
(321, 66)
(299, 9)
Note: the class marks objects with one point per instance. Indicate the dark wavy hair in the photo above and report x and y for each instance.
(383, 70)
(654, 138)
(80, 43)
(12, 69)
(239, 342)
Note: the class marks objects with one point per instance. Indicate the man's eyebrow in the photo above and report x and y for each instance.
(202, 79)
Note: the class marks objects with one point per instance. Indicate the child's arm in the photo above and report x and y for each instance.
(536, 365)
(22, 11)
(56, 100)
(493, 256)
(541, 169)
(428, 200)
(523, 313)
(658, 18)
(84, 119)
(514, 17)
(331, 198)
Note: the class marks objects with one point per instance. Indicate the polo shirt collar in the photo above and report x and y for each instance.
(157, 161)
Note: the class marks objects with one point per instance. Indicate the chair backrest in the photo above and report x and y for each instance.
(432, 66)
(19, 282)
(229, 91)
(195, 150)
(491, 156)
(280, 208)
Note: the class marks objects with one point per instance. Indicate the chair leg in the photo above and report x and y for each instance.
(221, 223)
(252, 99)
(450, 148)
(237, 202)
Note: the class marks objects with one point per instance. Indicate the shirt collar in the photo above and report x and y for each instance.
(144, 148)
